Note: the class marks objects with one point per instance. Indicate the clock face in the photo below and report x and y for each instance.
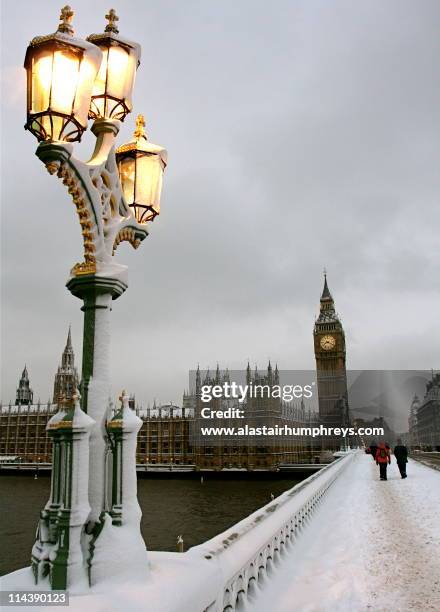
(328, 343)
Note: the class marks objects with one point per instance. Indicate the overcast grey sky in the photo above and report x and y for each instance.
(301, 134)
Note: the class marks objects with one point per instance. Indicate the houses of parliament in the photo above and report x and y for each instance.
(170, 434)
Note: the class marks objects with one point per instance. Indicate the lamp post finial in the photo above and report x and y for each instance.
(112, 18)
(140, 125)
(66, 17)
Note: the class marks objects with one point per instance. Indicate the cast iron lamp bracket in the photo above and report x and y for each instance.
(95, 188)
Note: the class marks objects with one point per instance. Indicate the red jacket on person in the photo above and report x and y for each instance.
(383, 454)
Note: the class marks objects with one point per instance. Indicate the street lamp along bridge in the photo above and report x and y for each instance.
(91, 523)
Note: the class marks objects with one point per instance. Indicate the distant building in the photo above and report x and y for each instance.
(23, 432)
(164, 438)
(428, 416)
(25, 395)
(330, 355)
(413, 437)
(249, 452)
(23, 425)
(66, 378)
(170, 435)
(388, 435)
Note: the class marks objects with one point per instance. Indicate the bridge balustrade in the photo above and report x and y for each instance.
(223, 573)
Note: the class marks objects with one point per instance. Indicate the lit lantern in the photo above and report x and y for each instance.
(113, 88)
(141, 165)
(61, 71)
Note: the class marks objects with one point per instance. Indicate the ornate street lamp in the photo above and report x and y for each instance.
(92, 449)
(61, 71)
(141, 165)
(112, 91)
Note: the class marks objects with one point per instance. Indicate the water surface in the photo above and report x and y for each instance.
(170, 507)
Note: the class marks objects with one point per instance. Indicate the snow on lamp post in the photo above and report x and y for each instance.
(69, 80)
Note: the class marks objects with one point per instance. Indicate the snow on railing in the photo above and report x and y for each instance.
(221, 573)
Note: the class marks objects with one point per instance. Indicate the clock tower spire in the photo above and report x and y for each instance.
(330, 355)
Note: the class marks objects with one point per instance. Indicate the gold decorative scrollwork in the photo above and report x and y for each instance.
(74, 188)
(126, 234)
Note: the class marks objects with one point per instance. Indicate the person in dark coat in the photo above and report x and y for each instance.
(383, 458)
(401, 455)
(373, 449)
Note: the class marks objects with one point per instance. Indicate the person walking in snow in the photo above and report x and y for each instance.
(401, 454)
(373, 449)
(383, 458)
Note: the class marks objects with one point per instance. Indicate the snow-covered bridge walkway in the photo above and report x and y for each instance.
(371, 545)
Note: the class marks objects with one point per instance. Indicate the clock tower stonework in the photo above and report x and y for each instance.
(329, 341)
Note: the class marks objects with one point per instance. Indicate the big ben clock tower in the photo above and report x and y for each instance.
(329, 339)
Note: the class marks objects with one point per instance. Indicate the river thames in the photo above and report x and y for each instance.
(170, 507)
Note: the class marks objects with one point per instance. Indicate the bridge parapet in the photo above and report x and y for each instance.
(219, 574)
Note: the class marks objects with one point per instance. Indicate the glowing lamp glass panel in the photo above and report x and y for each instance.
(65, 76)
(41, 81)
(149, 173)
(98, 91)
(86, 78)
(127, 172)
(119, 81)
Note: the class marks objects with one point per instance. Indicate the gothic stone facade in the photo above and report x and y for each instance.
(23, 432)
(164, 438)
(248, 452)
(168, 436)
(427, 427)
(66, 378)
(23, 425)
(330, 355)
